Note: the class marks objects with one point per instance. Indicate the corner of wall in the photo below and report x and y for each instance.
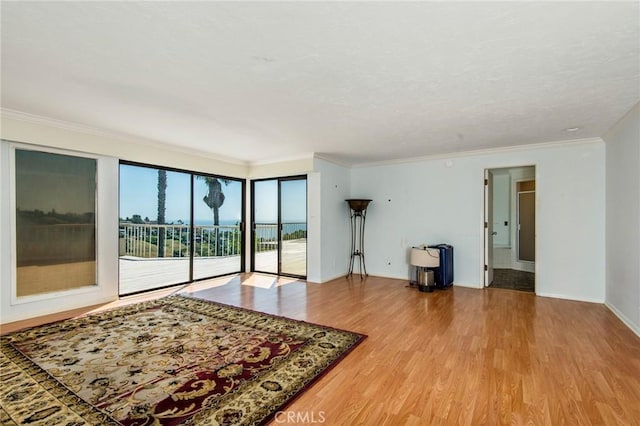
(335, 187)
(292, 167)
(622, 317)
(622, 217)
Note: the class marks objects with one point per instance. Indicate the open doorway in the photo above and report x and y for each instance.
(509, 228)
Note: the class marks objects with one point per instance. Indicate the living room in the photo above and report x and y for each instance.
(375, 114)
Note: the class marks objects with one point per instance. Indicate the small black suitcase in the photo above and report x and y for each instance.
(444, 273)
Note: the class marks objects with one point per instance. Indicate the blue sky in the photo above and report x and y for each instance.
(293, 196)
(139, 195)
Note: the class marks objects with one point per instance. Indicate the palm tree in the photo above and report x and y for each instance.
(214, 200)
(162, 198)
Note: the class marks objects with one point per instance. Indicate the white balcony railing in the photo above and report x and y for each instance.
(146, 240)
(216, 250)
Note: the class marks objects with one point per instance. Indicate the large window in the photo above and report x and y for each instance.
(177, 226)
(55, 199)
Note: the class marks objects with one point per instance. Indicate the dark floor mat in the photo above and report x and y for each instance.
(514, 280)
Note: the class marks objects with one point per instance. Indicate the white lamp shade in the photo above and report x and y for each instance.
(425, 257)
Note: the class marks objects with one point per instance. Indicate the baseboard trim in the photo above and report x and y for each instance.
(566, 297)
(455, 284)
(20, 322)
(326, 280)
(626, 321)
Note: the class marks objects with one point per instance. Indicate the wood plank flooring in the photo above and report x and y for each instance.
(458, 356)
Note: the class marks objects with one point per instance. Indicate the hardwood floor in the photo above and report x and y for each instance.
(458, 356)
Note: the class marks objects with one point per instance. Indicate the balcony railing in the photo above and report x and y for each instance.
(145, 240)
(267, 234)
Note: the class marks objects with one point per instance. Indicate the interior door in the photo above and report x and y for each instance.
(488, 227)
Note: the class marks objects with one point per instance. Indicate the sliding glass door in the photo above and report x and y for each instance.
(293, 227)
(154, 228)
(279, 226)
(265, 226)
(217, 209)
(177, 227)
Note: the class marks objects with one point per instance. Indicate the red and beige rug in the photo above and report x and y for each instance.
(176, 360)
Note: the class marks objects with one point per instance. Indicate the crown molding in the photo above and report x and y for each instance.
(297, 157)
(331, 159)
(488, 151)
(94, 131)
(75, 127)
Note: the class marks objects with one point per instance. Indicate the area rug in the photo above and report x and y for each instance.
(176, 360)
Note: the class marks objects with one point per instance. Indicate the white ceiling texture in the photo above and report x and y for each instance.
(357, 82)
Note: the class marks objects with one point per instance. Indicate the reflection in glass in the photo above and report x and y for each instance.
(55, 222)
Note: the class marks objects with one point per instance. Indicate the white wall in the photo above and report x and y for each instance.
(433, 200)
(54, 135)
(108, 151)
(314, 228)
(623, 219)
(334, 188)
(440, 200)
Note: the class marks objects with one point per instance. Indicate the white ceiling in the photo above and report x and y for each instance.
(358, 82)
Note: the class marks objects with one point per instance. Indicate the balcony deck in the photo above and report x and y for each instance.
(141, 274)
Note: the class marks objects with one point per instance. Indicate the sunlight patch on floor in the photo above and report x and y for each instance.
(211, 283)
(266, 281)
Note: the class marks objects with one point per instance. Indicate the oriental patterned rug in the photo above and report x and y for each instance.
(176, 360)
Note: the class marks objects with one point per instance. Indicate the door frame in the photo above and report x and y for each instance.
(279, 181)
(488, 228)
(483, 250)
